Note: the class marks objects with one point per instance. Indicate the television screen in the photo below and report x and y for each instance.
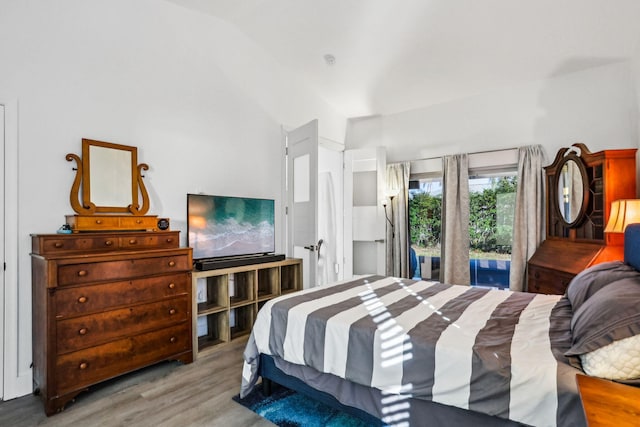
(222, 226)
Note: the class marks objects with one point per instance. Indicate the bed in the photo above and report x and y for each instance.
(405, 352)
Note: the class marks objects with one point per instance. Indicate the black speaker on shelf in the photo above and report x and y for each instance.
(216, 263)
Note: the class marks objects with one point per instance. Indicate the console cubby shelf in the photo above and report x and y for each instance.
(227, 300)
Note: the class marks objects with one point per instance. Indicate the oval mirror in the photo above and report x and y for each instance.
(572, 187)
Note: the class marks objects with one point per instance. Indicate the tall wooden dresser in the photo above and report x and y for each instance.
(579, 241)
(105, 304)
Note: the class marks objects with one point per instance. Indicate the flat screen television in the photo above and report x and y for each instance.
(224, 226)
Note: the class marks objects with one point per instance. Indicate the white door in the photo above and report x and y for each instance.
(364, 223)
(302, 194)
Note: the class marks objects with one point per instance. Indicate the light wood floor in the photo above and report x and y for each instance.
(168, 394)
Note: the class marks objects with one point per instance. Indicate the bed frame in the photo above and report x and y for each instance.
(422, 412)
(270, 373)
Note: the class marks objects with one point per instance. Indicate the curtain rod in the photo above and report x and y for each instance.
(439, 157)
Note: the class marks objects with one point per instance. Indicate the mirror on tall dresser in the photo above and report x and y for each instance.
(572, 190)
(110, 178)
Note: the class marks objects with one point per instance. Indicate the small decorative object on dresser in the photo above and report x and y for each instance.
(581, 187)
(105, 304)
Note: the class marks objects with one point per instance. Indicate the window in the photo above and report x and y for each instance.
(425, 211)
(492, 200)
(492, 206)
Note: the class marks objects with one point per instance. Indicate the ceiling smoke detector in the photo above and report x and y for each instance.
(329, 59)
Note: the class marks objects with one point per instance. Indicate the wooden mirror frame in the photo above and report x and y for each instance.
(83, 176)
(570, 155)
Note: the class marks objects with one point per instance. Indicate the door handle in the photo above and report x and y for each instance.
(313, 248)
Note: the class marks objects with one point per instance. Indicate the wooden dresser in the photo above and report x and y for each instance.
(105, 304)
(570, 247)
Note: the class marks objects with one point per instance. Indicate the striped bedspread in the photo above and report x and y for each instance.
(486, 350)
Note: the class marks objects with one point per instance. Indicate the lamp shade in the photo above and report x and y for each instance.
(623, 212)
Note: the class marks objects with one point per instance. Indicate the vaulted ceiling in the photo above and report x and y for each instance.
(398, 55)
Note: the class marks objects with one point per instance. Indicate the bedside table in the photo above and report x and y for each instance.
(608, 403)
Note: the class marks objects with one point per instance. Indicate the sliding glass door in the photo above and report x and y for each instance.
(492, 205)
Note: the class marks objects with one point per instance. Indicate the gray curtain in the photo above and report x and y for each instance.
(454, 239)
(397, 238)
(528, 219)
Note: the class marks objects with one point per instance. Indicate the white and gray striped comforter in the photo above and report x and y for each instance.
(486, 350)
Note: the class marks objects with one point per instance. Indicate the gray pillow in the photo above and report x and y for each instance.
(610, 314)
(592, 279)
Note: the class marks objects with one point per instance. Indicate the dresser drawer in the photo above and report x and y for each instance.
(86, 331)
(94, 222)
(121, 269)
(79, 300)
(63, 244)
(83, 223)
(544, 281)
(139, 223)
(159, 241)
(60, 244)
(77, 370)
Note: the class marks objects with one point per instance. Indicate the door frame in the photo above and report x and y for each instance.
(371, 216)
(328, 145)
(2, 249)
(17, 380)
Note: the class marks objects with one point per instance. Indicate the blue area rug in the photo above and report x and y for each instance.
(286, 408)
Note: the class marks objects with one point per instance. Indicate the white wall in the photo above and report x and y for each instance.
(598, 107)
(202, 103)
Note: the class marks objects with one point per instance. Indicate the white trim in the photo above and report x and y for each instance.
(284, 198)
(330, 144)
(495, 159)
(323, 141)
(2, 250)
(16, 383)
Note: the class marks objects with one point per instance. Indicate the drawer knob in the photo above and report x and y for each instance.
(83, 331)
(133, 241)
(83, 365)
(173, 339)
(138, 221)
(172, 263)
(82, 300)
(82, 273)
(172, 311)
(172, 285)
(58, 244)
(98, 221)
(169, 239)
(108, 243)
